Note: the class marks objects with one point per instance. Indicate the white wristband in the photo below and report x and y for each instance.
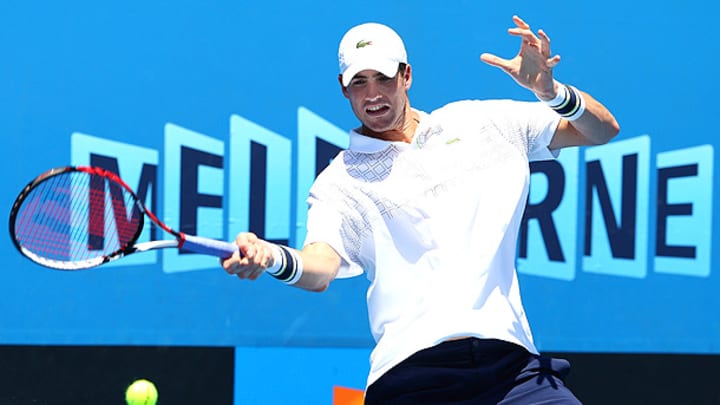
(277, 265)
(287, 265)
(569, 103)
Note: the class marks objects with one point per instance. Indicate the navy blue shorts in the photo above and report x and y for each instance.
(474, 371)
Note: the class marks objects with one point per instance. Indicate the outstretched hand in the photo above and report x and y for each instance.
(532, 67)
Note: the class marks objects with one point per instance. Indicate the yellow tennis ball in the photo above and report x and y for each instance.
(141, 392)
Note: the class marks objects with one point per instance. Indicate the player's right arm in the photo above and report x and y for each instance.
(320, 263)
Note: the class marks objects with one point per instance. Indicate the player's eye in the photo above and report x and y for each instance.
(359, 81)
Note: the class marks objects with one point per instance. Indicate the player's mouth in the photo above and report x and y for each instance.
(377, 110)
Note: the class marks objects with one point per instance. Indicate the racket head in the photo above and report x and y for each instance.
(76, 217)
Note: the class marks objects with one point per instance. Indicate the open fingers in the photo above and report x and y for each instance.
(520, 22)
(552, 62)
(540, 41)
(527, 35)
(494, 60)
(523, 29)
(545, 40)
(546, 51)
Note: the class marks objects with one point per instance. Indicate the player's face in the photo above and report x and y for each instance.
(379, 101)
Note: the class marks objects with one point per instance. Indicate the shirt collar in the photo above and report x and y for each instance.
(366, 144)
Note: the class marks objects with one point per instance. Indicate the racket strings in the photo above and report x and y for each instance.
(77, 216)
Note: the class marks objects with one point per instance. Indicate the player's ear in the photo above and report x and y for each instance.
(344, 89)
(407, 75)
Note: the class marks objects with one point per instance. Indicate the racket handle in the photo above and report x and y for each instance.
(208, 246)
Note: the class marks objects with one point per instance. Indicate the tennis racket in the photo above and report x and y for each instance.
(78, 217)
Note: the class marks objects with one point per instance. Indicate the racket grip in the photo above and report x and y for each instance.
(207, 246)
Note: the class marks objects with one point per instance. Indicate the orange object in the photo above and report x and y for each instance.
(347, 396)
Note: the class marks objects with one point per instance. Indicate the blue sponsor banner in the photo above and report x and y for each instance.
(220, 116)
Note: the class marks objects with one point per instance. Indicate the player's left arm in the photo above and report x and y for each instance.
(595, 126)
(532, 68)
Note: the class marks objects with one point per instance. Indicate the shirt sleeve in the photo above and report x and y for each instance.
(530, 126)
(325, 225)
(542, 124)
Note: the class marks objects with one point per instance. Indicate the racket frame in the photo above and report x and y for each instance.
(128, 248)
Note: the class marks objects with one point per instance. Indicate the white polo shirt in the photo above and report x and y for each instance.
(434, 224)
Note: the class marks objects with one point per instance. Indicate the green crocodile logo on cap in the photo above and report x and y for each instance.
(363, 44)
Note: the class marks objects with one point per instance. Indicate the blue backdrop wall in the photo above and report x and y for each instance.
(235, 95)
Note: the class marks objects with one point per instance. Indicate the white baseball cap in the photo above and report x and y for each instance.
(370, 46)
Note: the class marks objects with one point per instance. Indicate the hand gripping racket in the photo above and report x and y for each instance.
(72, 218)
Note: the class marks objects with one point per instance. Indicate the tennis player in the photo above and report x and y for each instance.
(428, 206)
